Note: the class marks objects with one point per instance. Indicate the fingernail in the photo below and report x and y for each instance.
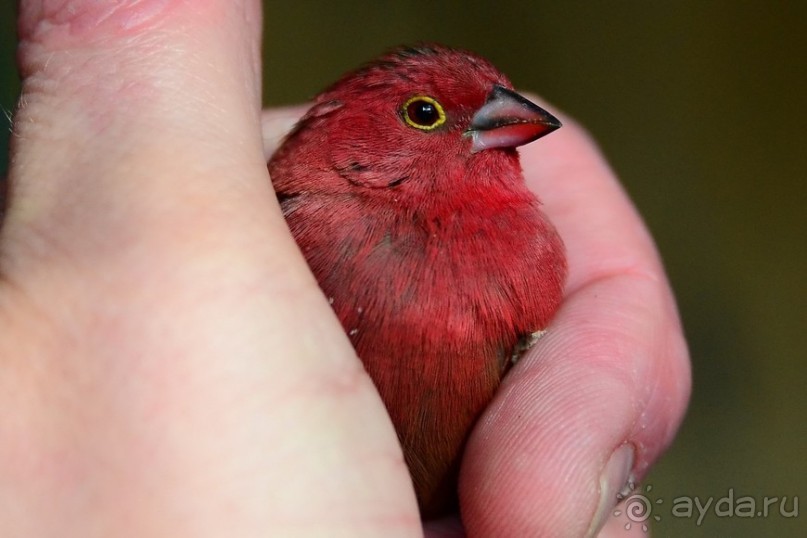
(614, 485)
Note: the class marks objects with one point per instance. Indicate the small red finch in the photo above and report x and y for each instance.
(403, 189)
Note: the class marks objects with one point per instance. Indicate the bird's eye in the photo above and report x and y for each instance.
(423, 113)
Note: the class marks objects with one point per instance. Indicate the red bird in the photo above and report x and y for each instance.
(403, 189)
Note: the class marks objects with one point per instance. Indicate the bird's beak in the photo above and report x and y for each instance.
(507, 120)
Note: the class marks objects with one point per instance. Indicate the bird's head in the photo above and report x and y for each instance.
(425, 119)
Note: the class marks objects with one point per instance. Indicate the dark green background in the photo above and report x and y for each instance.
(701, 108)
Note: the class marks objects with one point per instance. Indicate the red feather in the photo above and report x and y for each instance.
(435, 255)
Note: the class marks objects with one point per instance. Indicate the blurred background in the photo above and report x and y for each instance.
(701, 107)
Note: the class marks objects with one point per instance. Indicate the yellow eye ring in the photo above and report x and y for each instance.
(424, 113)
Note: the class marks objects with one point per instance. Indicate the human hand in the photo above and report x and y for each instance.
(601, 395)
(168, 365)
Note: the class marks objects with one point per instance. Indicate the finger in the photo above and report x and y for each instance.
(144, 247)
(276, 124)
(608, 246)
(602, 394)
(108, 86)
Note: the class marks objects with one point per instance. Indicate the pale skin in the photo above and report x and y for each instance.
(168, 365)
